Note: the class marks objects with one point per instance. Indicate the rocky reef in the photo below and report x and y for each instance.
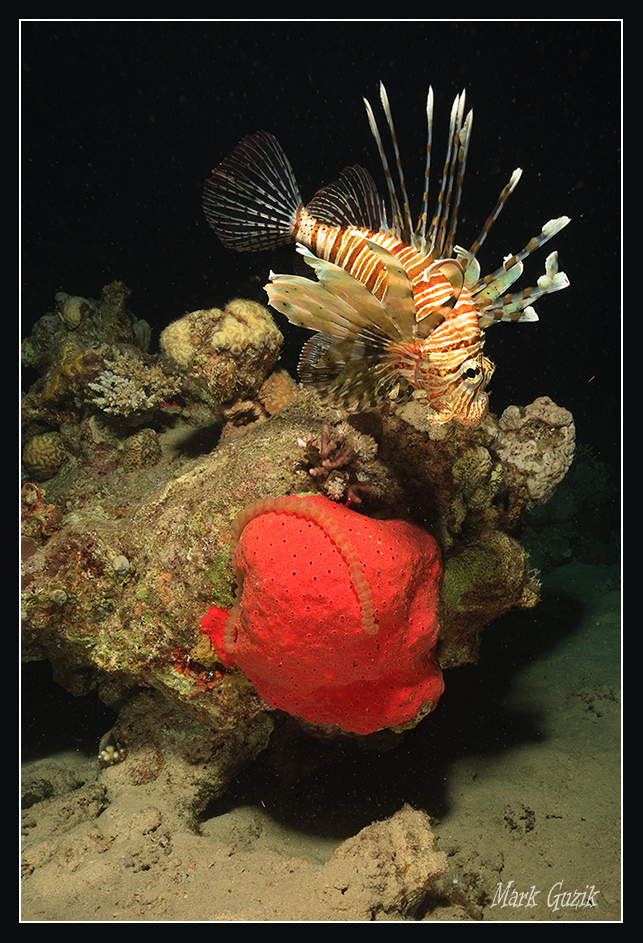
(136, 466)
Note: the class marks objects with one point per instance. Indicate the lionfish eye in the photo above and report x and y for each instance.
(471, 373)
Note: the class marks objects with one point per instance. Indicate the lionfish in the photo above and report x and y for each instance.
(398, 309)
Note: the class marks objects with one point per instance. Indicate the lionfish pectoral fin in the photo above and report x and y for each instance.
(470, 265)
(398, 300)
(336, 305)
(309, 304)
(549, 230)
(552, 280)
(453, 271)
(342, 284)
(518, 307)
(491, 288)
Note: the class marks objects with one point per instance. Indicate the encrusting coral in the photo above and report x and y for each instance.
(277, 391)
(44, 455)
(142, 449)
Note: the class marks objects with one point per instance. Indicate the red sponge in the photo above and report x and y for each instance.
(337, 618)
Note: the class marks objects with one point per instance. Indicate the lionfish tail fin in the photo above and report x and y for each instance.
(251, 200)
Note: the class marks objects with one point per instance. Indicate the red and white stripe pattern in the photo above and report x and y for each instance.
(391, 301)
(448, 367)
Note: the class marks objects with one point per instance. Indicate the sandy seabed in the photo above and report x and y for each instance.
(518, 768)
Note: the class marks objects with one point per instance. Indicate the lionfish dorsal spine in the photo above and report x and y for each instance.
(420, 230)
(394, 203)
(405, 221)
(351, 201)
(463, 140)
(459, 135)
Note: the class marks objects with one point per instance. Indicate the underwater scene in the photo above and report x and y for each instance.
(320, 472)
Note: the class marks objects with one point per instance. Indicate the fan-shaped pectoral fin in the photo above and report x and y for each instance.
(398, 300)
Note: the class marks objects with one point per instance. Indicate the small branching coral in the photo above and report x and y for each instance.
(345, 449)
(127, 386)
(329, 455)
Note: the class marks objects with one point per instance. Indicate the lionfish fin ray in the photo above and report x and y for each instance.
(421, 226)
(352, 200)
(492, 288)
(470, 265)
(518, 307)
(495, 213)
(252, 199)
(337, 305)
(401, 224)
(357, 374)
(549, 230)
(463, 140)
(405, 221)
(441, 229)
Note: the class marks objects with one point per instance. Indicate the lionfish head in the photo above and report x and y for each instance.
(456, 390)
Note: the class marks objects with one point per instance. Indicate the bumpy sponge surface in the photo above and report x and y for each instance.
(336, 618)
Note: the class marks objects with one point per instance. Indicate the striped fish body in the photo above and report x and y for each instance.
(447, 368)
(396, 310)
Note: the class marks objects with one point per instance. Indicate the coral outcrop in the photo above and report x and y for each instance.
(131, 541)
(224, 354)
(483, 579)
(99, 383)
(387, 868)
(538, 442)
